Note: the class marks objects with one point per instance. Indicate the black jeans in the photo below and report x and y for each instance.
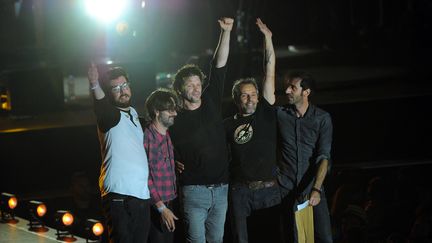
(127, 218)
(243, 201)
(159, 233)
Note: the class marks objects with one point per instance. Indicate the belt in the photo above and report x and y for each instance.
(215, 185)
(256, 185)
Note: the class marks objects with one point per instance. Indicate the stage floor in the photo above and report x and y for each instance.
(19, 233)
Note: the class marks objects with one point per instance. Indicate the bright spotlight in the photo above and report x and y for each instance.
(67, 219)
(105, 10)
(122, 28)
(64, 220)
(8, 203)
(41, 210)
(5, 103)
(37, 212)
(94, 229)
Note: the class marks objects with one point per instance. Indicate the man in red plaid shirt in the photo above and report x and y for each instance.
(160, 113)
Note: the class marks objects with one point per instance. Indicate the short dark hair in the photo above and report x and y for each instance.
(238, 83)
(184, 72)
(160, 100)
(307, 81)
(111, 74)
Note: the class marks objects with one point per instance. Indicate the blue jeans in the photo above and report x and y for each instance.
(244, 200)
(204, 212)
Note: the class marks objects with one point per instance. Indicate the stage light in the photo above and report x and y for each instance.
(105, 10)
(5, 100)
(8, 203)
(64, 220)
(41, 210)
(94, 229)
(37, 212)
(122, 28)
(67, 219)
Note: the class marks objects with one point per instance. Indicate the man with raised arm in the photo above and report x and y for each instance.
(199, 142)
(251, 134)
(123, 177)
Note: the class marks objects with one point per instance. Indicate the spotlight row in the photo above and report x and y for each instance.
(64, 219)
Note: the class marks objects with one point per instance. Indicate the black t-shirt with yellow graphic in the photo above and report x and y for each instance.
(252, 141)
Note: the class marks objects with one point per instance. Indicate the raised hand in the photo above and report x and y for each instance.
(226, 24)
(93, 75)
(263, 28)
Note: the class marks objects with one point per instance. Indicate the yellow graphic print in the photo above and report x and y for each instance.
(243, 133)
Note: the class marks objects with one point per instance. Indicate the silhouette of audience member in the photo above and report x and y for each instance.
(378, 208)
(353, 225)
(81, 190)
(347, 195)
(421, 231)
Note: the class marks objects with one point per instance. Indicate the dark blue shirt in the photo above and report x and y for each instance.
(305, 141)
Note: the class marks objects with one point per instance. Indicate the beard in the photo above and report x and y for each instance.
(296, 99)
(122, 102)
(167, 121)
(292, 100)
(192, 98)
(248, 109)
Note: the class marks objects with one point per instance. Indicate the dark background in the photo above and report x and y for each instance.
(371, 60)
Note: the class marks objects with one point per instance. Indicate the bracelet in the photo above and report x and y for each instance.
(94, 87)
(161, 208)
(316, 189)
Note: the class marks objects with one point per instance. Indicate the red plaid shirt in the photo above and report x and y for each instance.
(162, 179)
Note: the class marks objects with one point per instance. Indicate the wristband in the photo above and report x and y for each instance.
(94, 87)
(316, 189)
(161, 208)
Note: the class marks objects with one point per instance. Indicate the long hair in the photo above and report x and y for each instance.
(184, 72)
(159, 100)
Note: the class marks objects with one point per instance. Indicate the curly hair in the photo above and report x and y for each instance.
(184, 72)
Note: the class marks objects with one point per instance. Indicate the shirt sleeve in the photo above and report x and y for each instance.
(263, 102)
(325, 139)
(148, 148)
(215, 86)
(107, 116)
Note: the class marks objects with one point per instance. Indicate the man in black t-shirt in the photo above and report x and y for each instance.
(252, 138)
(199, 144)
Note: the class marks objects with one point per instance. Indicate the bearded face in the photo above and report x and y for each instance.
(248, 99)
(192, 89)
(120, 92)
(294, 91)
